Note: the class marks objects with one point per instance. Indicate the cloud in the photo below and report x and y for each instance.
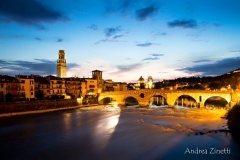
(127, 68)
(132, 8)
(144, 13)
(156, 54)
(202, 60)
(59, 40)
(28, 12)
(218, 68)
(108, 40)
(235, 51)
(150, 59)
(111, 31)
(38, 39)
(117, 36)
(183, 23)
(114, 39)
(39, 66)
(157, 34)
(147, 44)
(163, 34)
(93, 27)
(217, 25)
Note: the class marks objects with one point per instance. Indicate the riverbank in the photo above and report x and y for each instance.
(13, 109)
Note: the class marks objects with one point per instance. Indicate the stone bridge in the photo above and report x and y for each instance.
(170, 96)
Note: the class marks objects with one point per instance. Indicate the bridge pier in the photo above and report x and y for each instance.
(201, 105)
(171, 104)
(143, 104)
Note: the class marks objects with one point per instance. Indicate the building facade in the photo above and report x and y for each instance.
(10, 85)
(61, 65)
(57, 85)
(73, 87)
(96, 74)
(27, 88)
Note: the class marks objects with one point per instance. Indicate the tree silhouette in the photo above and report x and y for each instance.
(9, 97)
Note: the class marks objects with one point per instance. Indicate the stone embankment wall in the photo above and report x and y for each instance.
(6, 107)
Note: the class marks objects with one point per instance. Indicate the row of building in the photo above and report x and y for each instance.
(29, 87)
(32, 86)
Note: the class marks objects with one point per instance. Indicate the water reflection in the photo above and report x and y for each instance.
(113, 133)
(67, 121)
(104, 128)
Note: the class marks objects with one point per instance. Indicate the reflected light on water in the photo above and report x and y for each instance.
(104, 129)
(66, 121)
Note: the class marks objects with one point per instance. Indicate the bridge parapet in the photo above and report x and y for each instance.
(171, 96)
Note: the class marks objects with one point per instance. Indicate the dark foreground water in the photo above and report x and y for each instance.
(112, 133)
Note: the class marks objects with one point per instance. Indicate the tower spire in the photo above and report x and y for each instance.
(61, 64)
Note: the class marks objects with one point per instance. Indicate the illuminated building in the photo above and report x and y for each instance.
(140, 84)
(91, 88)
(61, 64)
(73, 87)
(10, 85)
(149, 83)
(42, 87)
(96, 74)
(110, 86)
(141, 80)
(27, 89)
(57, 85)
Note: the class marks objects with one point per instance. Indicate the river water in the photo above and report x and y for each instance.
(104, 132)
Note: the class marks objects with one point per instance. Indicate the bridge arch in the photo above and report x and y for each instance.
(216, 102)
(186, 100)
(130, 100)
(105, 100)
(157, 99)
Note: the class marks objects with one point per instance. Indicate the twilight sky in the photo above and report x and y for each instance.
(125, 39)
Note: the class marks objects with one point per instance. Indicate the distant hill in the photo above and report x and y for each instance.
(236, 72)
(230, 79)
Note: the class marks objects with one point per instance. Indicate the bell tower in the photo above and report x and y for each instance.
(61, 64)
(96, 74)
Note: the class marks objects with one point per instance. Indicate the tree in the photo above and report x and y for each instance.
(214, 85)
(198, 87)
(39, 95)
(130, 86)
(9, 97)
(142, 86)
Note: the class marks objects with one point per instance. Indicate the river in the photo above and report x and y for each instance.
(104, 132)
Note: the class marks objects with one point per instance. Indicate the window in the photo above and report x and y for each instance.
(1, 85)
(31, 93)
(91, 86)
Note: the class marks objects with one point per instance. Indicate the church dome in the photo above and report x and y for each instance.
(141, 79)
(150, 78)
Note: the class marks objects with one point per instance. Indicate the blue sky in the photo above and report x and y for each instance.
(125, 39)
